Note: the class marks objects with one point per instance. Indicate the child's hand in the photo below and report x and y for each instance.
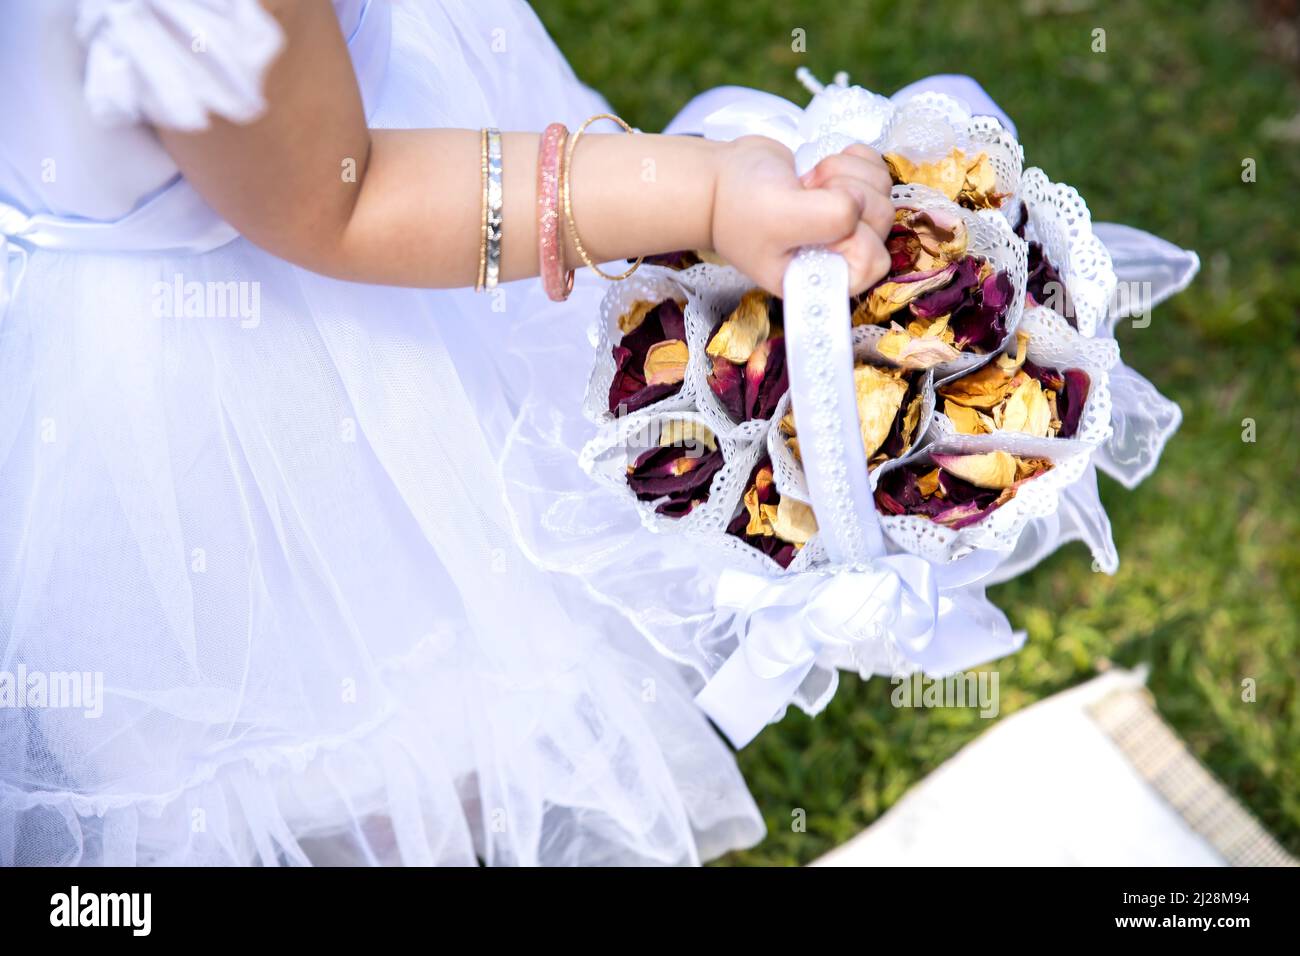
(762, 212)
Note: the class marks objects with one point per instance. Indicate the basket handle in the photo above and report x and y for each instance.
(819, 354)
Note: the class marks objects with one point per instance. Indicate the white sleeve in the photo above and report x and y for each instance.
(173, 62)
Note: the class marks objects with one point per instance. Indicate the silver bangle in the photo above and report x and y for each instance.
(493, 270)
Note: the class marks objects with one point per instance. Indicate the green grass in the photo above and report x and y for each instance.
(1153, 132)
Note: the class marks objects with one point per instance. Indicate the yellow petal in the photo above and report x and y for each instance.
(947, 175)
(1031, 467)
(880, 395)
(936, 328)
(743, 330)
(760, 516)
(911, 418)
(631, 320)
(912, 352)
(665, 362)
(994, 469)
(928, 483)
(1027, 410)
(794, 522)
(967, 421)
(979, 188)
(986, 388)
(678, 431)
(1012, 363)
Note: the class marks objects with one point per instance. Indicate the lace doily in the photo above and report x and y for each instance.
(716, 290)
(1000, 530)
(1060, 221)
(650, 285)
(1053, 344)
(608, 455)
(989, 236)
(930, 125)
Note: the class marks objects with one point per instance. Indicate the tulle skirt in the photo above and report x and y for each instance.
(280, 556)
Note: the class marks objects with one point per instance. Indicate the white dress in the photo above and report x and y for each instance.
(270, 522)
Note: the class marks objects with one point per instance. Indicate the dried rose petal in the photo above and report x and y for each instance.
(979, 191)
(968, 180)
(1071, 388)
(982, 327)
(1022, 219)
(748, 371)
(744, 330)
(766, 378)
(924, 240)
(959, 292)
(880, 394)
(900, 493)
(644, 328)
(894, 292)
(904, 249)
(916, 352)
(903, 433)
(995, 469)
(794, 522)
(1046, 287)
(941, 234)
(966, 420)
(680, 473)
(1069, 403)
(665, 363)
(946, 175)
(766, 522)
(946, 498)
(1027, 409)
(682, 259)
(727, 381)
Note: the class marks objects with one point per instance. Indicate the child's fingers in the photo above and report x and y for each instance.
(812, 216)
(877, 209)
(859, 162)
(867, 259)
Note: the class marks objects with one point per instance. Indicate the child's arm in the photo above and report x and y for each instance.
(411, 213)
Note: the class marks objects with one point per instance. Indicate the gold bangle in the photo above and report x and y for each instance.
(567, 193)
(483, 218)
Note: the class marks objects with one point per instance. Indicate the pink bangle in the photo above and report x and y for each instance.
(550, 257)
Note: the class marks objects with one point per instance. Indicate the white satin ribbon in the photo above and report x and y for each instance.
(784, 624)
(820, 362)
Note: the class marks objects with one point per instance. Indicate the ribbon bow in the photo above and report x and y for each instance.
(785, 625)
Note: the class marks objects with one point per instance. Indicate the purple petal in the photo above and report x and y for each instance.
(946, 300)
(766, 378)
(727, 382)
